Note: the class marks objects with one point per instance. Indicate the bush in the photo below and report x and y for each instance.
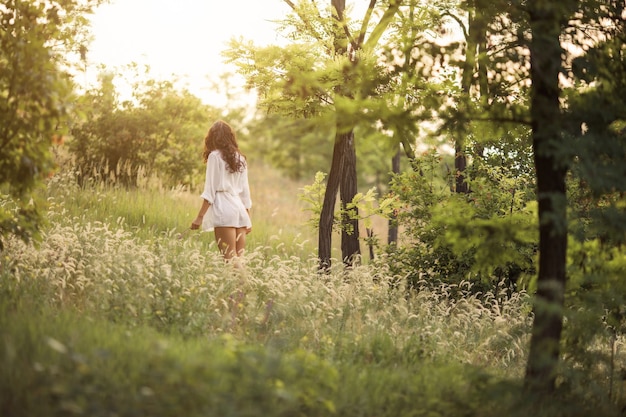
(486, 237)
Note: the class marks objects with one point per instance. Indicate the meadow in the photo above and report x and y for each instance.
(119, 310)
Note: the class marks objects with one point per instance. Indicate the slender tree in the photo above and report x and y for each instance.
(342, 176)
(392, 237)
(545, 48)
(555, 129)
(474, 83)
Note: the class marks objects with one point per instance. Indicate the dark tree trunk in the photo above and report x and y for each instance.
(392, 237)
(342, 174)
(460, 164)
(472, 42)
(545, 52)
(350, 248)
(327, 214)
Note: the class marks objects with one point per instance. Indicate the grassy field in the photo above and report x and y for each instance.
(119, 311)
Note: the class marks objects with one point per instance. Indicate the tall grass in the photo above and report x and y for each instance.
(87, 312)
(279, 218)
(114, 269)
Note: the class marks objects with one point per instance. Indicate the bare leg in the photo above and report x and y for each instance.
(240, 240)
(226, 238)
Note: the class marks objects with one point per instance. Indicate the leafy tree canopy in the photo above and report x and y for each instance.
(159, 131)
(37, 42)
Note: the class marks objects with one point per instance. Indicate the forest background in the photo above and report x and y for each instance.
(487, 140)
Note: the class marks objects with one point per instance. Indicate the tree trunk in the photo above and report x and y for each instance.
(460, 164)
(392, 237)
(342, 174)
(327, 215)
(350, 247)
(342, 177)
(545, 52)
(467, 79)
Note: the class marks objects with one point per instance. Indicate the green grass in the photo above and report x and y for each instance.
(112, 313)
(279, 218)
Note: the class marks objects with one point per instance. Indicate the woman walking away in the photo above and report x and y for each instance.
(226, 197)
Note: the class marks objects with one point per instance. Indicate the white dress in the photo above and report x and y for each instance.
(228, 193)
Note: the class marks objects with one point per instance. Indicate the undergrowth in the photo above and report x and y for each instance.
(100, 320)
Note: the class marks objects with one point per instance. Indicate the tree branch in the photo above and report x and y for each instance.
(394, 6)
(341, 18)
(366, 22)
(305, 20)
(459, 21)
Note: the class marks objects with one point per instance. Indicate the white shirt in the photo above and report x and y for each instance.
(228, 193)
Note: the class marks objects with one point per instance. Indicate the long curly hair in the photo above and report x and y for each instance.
(222, 137)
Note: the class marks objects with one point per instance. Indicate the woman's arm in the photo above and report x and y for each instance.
(203, 209)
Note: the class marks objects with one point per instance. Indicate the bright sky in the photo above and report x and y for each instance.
(181, 37)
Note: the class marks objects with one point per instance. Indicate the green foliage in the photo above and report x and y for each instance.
(159, 132)
(484, 237)
(363, 207)
(597, 209)
(597, 132)
(596, 271)
(492, 246)
(296, 128)
(298, 147)
(313, 196)
(35, 95)
(19, 218)
(308, 89)
(375, 152)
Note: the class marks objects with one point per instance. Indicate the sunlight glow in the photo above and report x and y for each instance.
(179, 38)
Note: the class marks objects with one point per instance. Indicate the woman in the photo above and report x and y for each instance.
(226, 197)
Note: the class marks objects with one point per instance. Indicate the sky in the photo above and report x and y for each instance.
(180, 37)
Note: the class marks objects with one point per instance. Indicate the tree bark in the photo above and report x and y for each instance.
(342, 175)
(392, 237)
(545, 52)
(350, 247)
(327, 215)
(472, 42)
(460, 164)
